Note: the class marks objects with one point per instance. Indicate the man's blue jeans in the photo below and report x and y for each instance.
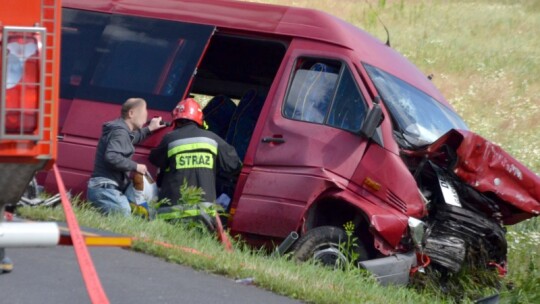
(111, 200)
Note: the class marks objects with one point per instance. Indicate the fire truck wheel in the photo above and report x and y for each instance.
(328, 245)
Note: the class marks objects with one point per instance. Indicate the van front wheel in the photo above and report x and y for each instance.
(327, 245)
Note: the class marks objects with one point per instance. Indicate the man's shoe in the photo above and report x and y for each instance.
(6, 265)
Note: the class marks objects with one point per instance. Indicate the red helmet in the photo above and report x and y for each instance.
(188, 109)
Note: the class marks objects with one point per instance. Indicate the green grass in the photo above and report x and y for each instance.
(524, 263)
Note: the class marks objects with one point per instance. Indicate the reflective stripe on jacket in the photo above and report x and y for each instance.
(194, 152)
(195, 155)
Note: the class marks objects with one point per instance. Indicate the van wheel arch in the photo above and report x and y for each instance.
(325, 244)
(336, 212)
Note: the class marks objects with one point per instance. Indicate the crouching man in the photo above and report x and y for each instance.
(110, 179)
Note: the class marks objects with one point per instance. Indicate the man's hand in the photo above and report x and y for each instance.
(141, 168)
(155, 124)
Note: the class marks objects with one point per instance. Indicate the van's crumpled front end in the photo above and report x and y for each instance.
(491, 171)
(473, 188)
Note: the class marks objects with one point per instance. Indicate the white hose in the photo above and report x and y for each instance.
(28, 234)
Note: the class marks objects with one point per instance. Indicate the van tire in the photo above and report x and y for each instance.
(322, 244)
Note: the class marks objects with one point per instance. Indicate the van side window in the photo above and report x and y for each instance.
(324, 91)
(311, 91)
(349, 107)
(81, 31)
(138, 55)
(126, 56)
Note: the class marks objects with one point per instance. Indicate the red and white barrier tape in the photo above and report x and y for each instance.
(88, 271)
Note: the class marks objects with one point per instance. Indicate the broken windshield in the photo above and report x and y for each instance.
(418, 118)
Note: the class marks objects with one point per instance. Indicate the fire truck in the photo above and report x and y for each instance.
(29, 68)
(29, 78)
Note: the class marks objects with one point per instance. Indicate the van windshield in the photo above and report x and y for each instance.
(418, 118)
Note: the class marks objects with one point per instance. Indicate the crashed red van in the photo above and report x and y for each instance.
(333, 126)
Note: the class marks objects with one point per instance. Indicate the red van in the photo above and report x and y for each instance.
(333, 126)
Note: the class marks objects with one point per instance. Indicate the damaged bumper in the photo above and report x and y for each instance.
(488, 169)
(391, 270)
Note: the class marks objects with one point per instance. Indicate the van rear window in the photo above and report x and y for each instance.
(110, 58)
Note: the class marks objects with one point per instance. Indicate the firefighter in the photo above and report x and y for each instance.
(191, 153)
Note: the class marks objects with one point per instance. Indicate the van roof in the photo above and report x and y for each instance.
(248, 16)
(271, 19)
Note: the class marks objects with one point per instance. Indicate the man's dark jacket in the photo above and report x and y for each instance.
(196, 155)
(114, 151)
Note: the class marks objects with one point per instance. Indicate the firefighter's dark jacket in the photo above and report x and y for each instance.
(115, 149)
(194, 154)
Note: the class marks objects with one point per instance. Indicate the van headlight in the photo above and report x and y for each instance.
(417, 229)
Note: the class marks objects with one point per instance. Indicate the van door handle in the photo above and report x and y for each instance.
(276, 140)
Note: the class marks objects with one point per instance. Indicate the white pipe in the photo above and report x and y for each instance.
(28, 234)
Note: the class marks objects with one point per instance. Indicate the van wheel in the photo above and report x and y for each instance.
(322, 244)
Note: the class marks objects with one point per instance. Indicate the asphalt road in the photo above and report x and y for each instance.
(52, 275)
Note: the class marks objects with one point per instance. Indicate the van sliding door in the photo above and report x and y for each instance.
(137, 56)
(108, 58)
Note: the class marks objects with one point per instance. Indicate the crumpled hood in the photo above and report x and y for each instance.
(489, 169)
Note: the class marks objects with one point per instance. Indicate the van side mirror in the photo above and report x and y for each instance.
(372, 121)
